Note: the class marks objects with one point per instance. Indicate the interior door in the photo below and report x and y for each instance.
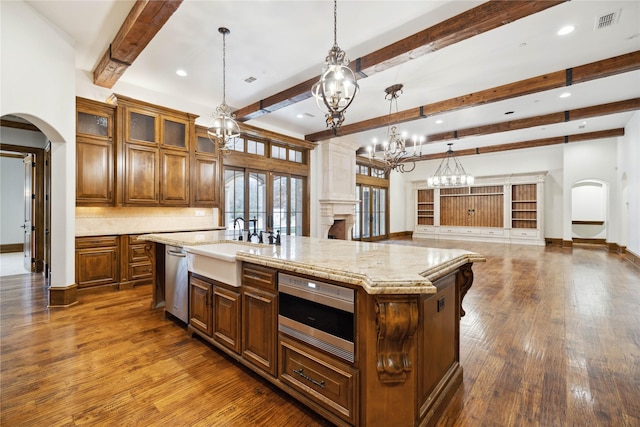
(29, 207)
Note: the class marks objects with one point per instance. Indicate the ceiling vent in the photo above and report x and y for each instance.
(250, 79)
(607, 20)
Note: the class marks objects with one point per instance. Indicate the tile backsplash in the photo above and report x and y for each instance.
(93, 221)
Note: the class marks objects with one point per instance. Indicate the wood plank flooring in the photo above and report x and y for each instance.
(551, 338)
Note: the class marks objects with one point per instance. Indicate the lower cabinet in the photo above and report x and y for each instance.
(226, 317)
(260, 317)
(200, 312)
(97, 261)
(324, 380)
(214, 309)
(121, 261)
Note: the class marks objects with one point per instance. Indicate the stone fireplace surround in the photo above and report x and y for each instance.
(337, 195)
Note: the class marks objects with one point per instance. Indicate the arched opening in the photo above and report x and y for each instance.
(589, 212)
(25, 199)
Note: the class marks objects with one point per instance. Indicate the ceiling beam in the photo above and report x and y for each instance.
(480, 19)
(589, 136)
(19, 125)
(144, 21)
(547, 119)
(595, 70)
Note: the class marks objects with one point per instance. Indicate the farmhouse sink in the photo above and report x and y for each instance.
(217, 261)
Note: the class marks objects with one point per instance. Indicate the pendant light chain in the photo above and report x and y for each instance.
(224, 67)
(335, 22)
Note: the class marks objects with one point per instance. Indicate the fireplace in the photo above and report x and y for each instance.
(338, 194)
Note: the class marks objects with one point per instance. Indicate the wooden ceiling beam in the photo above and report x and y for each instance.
(144, 21)
(595, 70)
(589, 136)
(480, 19)
(547, 119)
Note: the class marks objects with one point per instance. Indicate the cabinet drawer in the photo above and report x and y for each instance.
(97, 241)
(255, 275)
(326, 381)
(493, 232)
(140, 271)
(138, 253)
(425, 229)
(524, 233)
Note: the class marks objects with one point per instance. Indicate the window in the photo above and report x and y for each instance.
(255, 147)
(278, 152)
(247, 196)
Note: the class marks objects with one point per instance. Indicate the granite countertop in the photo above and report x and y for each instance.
(378, 268)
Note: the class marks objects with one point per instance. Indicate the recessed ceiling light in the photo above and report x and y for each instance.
(181, 73)
(439, 121)
(300, 115)
(566, 30)
(565, 95)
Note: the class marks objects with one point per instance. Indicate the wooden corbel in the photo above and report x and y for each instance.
(396, 323)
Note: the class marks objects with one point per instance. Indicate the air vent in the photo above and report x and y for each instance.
(250, 79)
(607, 20)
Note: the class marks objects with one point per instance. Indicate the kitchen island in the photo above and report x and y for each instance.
(391, 359)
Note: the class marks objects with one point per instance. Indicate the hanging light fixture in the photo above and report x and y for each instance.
(223, 127)
(446, 176)
(396, 155)
(337, 85)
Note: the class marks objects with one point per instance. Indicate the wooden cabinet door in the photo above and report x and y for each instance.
(94, 172)
(174, 188)
(226, 318)
(96, 266)
(205, 181)
(141, 175)
(259, 338)
(200, 305)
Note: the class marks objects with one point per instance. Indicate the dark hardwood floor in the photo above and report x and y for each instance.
(551, 338)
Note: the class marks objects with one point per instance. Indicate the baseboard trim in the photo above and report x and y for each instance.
(11, 247)
(579, 240)
(400, 234)
(567, 243)
(549, 241)
(63, 296)
(632, 258)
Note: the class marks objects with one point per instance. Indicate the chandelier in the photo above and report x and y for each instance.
(337, 85)
(445, 176)
(223, 127)
(396, 154)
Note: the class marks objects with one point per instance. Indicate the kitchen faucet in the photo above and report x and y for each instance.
(235, 222)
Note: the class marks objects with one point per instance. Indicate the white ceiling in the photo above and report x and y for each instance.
(283, 43)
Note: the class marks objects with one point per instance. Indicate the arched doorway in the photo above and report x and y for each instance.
(22, 140)
(589, 211)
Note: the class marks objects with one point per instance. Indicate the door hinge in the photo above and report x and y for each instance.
(33, 164)
(33, 196)
(33, 260)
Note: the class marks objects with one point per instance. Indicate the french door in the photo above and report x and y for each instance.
(265, 200)
(371, 213)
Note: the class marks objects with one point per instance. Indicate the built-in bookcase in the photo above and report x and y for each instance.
(425, 207)
(524, 206)
(498, 208)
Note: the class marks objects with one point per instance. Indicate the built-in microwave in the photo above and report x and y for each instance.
(318, 313)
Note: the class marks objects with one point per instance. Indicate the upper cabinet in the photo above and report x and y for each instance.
(94, 153)
(205, 171)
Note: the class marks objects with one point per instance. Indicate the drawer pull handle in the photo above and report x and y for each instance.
(303, 375)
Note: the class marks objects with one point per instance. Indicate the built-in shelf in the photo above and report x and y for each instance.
(505, 208)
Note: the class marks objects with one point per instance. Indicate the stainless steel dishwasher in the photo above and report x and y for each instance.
(176, 278)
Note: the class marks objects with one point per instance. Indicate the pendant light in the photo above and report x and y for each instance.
(337, 87)
(450, 173)
(396, 154)
(223, 127)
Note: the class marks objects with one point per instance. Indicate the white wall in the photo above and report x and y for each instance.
(549, 158)
(594, 161)
(38, 84)
(11, 200)
(629, 167)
